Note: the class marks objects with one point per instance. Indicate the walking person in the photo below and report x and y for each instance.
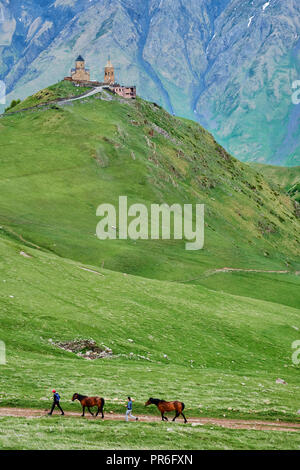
(129, 410)
(56, 400)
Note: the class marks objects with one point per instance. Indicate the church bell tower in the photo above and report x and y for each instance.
(109, 73)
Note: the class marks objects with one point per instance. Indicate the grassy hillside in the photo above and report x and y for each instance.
(224, 352)
(62, 89)
(287, 179)
(93, 435)
(60, 164)
(217, 341)
(278, 288)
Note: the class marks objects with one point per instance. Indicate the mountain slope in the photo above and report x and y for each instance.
(229, 64)
(60, 163)
(287, 179)
(219, 353)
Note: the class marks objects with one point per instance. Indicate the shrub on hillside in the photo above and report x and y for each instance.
(12, 105)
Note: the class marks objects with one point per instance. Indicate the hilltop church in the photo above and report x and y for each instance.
(80, 76)
(80, 73)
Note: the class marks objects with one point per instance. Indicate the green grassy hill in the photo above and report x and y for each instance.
(224, 354)
(287, 179)
(217, 341)
(59, 164)
(64, 89)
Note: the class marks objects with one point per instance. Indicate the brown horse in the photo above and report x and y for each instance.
(165, 406)
(89, 402)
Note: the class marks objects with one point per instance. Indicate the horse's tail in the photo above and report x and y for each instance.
(103, 403)
(183, 406)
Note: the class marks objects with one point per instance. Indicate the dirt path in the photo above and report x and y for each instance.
(222, 422)
(59, 101)
(240, 270)
(211, 272)
(86, 95)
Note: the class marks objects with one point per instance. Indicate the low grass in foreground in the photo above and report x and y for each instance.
(73, 433)
(219, 353)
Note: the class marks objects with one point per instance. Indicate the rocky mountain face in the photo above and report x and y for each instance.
(230, 64)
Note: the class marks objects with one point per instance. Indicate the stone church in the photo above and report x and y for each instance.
(80, 76)
(109, 73)
(80, 73)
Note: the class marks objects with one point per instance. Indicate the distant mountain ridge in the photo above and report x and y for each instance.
(228, 64)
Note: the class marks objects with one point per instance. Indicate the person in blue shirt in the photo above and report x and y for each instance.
(129, 410)
(56, 400)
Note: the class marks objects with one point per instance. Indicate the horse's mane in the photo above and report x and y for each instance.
(81, 397)
(157, 400)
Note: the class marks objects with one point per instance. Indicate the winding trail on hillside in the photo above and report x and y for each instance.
(211, 272)
(241, 270)
(256, 425)
(58, 101)
(86, 95)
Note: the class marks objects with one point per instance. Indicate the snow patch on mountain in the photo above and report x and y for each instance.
(33, 28)
(250, 21)
(266, 5)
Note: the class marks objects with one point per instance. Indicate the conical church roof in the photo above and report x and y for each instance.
(109, 64)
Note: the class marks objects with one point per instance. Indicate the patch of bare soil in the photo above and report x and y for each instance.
(161, 131)
(256, 425)
(26, 255)
(86, 348)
